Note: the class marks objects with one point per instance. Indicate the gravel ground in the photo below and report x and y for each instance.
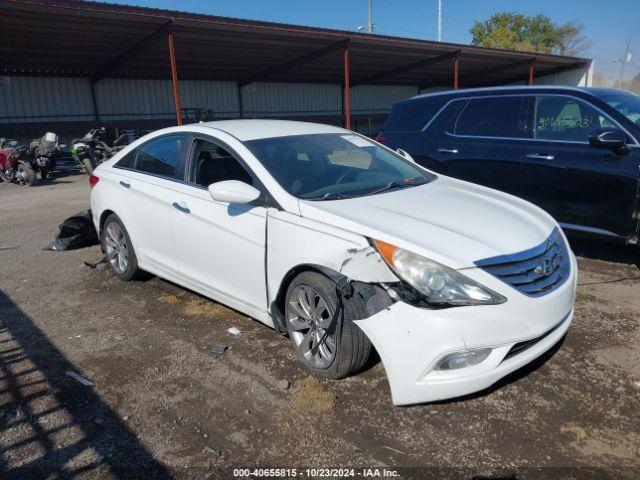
(162, 405)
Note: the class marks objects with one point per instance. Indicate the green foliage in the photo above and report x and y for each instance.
(514, 31)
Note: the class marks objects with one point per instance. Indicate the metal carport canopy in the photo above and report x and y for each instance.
(99, 40)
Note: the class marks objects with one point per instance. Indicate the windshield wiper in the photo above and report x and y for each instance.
(328, 196)
(394, 184)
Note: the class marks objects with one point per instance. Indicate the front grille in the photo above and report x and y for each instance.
(534, 272)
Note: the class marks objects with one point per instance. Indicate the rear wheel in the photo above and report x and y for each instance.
(25, 175)
(322, 329)
(119, 249)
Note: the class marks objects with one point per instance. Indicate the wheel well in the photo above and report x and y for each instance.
(103, 217)
(277, 306)
(373, 295)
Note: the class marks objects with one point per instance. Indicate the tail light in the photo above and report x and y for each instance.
(93, 180)
(381, 138)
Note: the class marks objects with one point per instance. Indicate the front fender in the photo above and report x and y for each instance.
(295, 244)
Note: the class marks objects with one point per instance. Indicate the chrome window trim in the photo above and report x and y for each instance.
(533, 139)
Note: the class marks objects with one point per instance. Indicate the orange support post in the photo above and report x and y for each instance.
(174, 78)
(347, 92)
(531, 73)
(455, 72)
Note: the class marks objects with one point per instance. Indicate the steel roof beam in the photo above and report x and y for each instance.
(131, 53)
(405, 68)
(271, 71)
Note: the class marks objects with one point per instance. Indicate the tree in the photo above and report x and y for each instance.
(515, 31)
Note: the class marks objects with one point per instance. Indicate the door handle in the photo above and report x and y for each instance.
(181, 206)
(451, 151)
(539, 156)
(125, 184)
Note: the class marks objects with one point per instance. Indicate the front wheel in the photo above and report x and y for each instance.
(6, 175)
(25, 174)
(322, 329)
(119, 249)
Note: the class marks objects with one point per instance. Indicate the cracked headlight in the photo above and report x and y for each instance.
(437, 283)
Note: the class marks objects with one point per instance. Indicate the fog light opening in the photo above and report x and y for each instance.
(463, 359)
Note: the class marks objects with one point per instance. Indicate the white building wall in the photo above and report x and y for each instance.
(277, 99)
(41, 99)
(574, 78)
(378, 98)
(57, 99)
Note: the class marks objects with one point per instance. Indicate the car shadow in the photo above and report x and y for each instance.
(51, 425)
(56, 178)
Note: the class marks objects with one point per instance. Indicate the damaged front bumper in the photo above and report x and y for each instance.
(413, 342)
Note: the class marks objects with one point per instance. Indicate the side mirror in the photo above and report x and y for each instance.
(233, 191)
(405, 155)
(612, 138)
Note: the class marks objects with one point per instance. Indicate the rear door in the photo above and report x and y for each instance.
(587, 188)
(481, 141)
(148, 177)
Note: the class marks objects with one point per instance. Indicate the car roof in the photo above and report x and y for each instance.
(505, 89)
(256, 129)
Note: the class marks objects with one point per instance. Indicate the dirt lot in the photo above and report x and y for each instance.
(162, 405)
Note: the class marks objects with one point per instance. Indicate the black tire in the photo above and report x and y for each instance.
(26, 174)
(5, 176)
(44, 173)
(131, 272)
(353, 347)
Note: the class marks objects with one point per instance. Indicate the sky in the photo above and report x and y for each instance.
(608, 25)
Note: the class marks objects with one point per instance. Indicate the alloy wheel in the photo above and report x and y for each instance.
(309, 316)
(116, 246)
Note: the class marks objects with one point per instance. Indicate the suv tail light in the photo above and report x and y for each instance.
(381, 138)
(93, 180)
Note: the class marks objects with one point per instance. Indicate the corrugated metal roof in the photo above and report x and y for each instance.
(79, 38)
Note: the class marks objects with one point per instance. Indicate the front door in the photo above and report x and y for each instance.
(584, 187)
(220, 246)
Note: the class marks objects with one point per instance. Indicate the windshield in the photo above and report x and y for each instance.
(627, 104)
(331, 166)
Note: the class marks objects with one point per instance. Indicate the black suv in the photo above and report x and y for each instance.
(575, 152)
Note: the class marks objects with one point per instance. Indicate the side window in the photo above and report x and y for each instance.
(161, 156)
(493, 117)
(213, 163)
(411, 115)
(127, 161)
(567, 119)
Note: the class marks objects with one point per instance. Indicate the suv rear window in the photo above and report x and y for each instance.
(411, 116)
(493, 117)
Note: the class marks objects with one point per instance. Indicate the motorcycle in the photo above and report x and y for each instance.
(13, 168)
(45, 151)
(94, 148)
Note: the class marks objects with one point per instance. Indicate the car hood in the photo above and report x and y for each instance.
(450, 221)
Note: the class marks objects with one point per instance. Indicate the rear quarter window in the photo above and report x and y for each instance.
(411, 116)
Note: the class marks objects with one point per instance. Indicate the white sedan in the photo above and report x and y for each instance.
(344, 245)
